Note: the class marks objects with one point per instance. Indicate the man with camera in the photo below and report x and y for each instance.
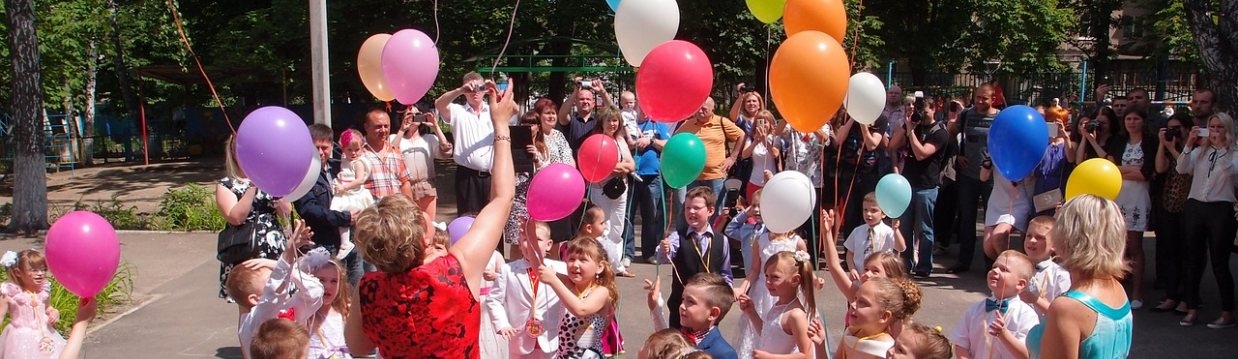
(925, 139)
(474, 132)
(577, 126)
(974, 125)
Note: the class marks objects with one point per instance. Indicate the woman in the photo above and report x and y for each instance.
(745, 110)
(549, 147)
(611, 194)
(1133, 153)
(1093, 319)
(1209, 213)
(440, 314)
(765, 150)
(241, 202)
(1051, 173)
(1170, 255)
(1091, 144)
(420, 149)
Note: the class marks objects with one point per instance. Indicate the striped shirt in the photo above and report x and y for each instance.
(387, 171)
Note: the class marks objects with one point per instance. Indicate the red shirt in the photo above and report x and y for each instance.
(427, 312)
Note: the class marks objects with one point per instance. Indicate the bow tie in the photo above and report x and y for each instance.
(691, 336)
(991, 304)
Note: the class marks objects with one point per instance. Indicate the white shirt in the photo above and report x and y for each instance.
(762, 160)
(1050, 280)
(474, 133)
(276, 297)
(862, 246)
(630, 123)
(972, 332)
(419, 154)
(1212, 173)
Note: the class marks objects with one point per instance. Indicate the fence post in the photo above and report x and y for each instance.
(1083, 85)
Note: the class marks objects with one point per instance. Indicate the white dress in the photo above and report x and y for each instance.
(355, 199)
(328, 341)
(762, 301)
(1133, 198)
(773, 339)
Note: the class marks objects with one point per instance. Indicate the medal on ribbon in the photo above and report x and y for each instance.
(533, 327)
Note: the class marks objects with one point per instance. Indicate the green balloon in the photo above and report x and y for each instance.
(768, 11)
(683, 158)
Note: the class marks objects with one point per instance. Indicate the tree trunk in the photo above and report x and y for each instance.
(118, 62)
(29, 165)
(1218, 46)
(88, 132)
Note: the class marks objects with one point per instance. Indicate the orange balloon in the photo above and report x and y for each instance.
(369, 66)
(828, 16)
(808, 79)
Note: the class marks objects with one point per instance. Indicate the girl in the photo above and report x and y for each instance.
(918, 341)
(766, 247)
(665, 344)
(880, 264)
(350, 195)
(764, 148)
(784, 327)
(611, 194)
(30, 333)
(879, 306)
(327, 326)
(1133, 154)
(589, 298)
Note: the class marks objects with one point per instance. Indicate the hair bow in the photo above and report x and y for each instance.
(9, 259)
(315, 259)
(442, 226)
(802, 256)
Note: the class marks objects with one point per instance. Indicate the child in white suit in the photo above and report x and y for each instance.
(521, 308)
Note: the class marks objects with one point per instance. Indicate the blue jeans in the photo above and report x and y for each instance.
(919, 213)
(648, 198)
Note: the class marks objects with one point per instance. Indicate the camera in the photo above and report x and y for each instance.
(1091, 126)
(477, 87)
(1172, 134)
(746, 89)
(586, 84)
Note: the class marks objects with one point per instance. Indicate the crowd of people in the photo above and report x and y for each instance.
(383, 276)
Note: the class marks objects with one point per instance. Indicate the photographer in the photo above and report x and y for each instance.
(1170, 252)
(579, 124)
(421, 141)
(926, 141)
(1093, 135)
(1209, 214)
(473, 132)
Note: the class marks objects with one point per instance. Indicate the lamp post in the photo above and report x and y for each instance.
(318, 54)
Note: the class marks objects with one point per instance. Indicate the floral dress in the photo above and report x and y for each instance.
(426, 312)
(560, 152)
(29, 334)
(269, 235)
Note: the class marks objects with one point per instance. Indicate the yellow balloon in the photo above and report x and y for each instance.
(370, 66)
(1096, 176)
(768, 11)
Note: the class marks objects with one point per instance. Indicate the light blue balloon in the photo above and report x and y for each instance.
(894, 195)
(614, 5)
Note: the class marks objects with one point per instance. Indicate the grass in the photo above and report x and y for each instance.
(187, 208)
(116, 293)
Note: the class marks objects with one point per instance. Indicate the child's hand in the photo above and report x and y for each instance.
(827, 221)
(666, 246)
(489, 274)
(508, 333)
(761, 354)
(86, 309)
(855, 276)
(894, 222)
(654, 288)
(745, 303)
(258, 263)
(816, 331)
(53, 315)
(998, 328)
(820, 283)
(1027, 296)
(547, 275)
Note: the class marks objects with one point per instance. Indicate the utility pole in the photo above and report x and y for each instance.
(318, 50)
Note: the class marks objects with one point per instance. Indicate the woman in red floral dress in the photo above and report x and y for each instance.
(419, 306)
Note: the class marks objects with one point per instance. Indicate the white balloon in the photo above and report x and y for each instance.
(866, 98)
(787, 201)
(307, 182)
(641, 25)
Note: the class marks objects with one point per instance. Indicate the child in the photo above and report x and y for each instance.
(874, 236)
(882, 264)
(880, 305)
(260, 303)
(707, 297)
(589, 301)
(766, 248)
(350, 195)
(523, 311)
(492, 344)
(30, 333)
(747, 228)
(918, 341)
(998, 316)
(596, 227)
(279, 339)
(783, 329)
(702, 250)
(665, 344)
(1050, 279)
(327, 326)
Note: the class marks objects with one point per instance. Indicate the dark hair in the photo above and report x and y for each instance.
(321, 132)
(719, 293)
(1142, 115)
(921, 106)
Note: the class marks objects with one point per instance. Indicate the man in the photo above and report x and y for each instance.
(926, 140)
(1137, 100)
(718, 134)
(647, 196)
(577, 126)
(896, 110)
(974, 125)
(315, 206)
(388, 174)
(1202, 105)
(474, 134)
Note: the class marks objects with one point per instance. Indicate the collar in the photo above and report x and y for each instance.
(1045, 264)
(709, 229)
(484, 108)
(696, 336)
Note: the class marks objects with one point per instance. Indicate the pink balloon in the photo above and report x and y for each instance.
(674, 80)
(555, 192)
(410, 65)
(82, 252)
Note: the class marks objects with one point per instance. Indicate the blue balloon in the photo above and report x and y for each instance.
(894, 194)
(1017, 141)
(614, 5)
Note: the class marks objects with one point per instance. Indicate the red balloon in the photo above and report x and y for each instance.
(597, 157)
(674, 80)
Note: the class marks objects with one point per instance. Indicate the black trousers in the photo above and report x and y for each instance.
(472, 190)
(1210, 230)
(1171, 261)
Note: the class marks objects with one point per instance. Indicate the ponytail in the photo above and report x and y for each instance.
(803, 264)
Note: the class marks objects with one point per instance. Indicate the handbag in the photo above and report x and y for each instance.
(614, 188)
(236, 243)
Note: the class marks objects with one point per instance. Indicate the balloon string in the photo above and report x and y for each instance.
(180, 28)
(855, 34)
(511, 27)
(436, 29)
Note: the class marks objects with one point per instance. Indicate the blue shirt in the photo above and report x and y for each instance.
(1111, 337)
(647, 162)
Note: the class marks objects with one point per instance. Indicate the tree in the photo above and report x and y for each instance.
(29, 165)
(1216, 34)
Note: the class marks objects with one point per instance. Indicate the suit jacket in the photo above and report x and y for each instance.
(716, 346)
(315, 208)
(509, 304)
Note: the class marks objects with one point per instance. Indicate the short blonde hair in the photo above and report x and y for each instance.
(668, 344)
(1090, 237)
(244, 281)
(871, 199)
(279, 339)
(391, 234)
(1018, 263)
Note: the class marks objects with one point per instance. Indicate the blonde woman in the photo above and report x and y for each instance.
(1209, 214)
(241, 203)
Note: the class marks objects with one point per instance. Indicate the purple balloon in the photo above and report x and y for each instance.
(274, 148)
(555, 192)
(410, 65)
(82, 252)
(458, 227)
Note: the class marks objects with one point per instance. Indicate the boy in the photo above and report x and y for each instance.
(874, 236)
(1050, 279)
(707, 297)
(280, 339)
(702, 250)
(260, 303)
(996, 328)
(747, 227)
(525, 312)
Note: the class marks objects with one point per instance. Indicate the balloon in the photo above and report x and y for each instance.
(807, 79)
(614, 4)
(641, 25)
(274, 148)
(675, 81)
(82, 252)
(768, 11)
(683, 158)
(410, 65)
(893, 195)
(458, 227)
(370, 66)
(307, 182)
(597, 158)
(866, 98)
(1017, 141)
(555, 192)
(787, 200)
(1096, 176)
(828, 16)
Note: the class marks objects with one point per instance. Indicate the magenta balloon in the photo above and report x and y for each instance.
(82, 252)
(555, 192)
(410, 65)
(274, 148)
(458, 227)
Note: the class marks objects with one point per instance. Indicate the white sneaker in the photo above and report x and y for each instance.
(346, 247)
(626, 261)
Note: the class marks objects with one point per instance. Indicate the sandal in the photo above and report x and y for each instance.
(1187, 320)
(626, 275)
(1165, 306)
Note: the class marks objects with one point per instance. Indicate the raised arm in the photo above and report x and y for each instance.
(443, 103)
(828, 240)
(565, 110)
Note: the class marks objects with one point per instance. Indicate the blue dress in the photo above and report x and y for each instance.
(1111, 338)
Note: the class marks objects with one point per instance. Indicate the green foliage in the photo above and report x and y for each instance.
(188, 208)
(117, 292)
(118, 215)
(1172, 33)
